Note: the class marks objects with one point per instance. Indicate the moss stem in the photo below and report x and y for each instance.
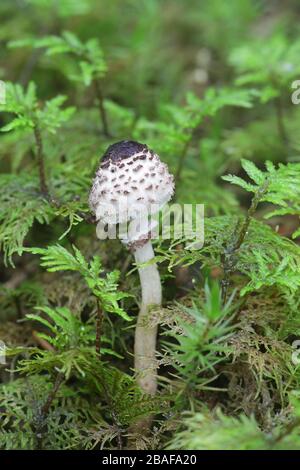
(40, 160)
(102, 111)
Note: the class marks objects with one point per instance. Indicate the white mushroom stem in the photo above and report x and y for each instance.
(146, 333)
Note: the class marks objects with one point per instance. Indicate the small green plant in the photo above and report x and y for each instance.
(200, 344)
(180, 124)
(91, 66)
(24, 198)
(281, 187)
(220, 432)
(32, 117)
(271, 66)
(104, 289)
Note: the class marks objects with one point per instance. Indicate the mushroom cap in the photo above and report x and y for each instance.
(131, 180)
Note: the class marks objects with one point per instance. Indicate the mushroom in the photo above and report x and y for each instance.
(132, 183)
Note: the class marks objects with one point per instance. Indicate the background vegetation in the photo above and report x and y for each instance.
(207, 85)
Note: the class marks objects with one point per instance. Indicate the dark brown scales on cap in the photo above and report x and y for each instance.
(122, 150)
(126, 174)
